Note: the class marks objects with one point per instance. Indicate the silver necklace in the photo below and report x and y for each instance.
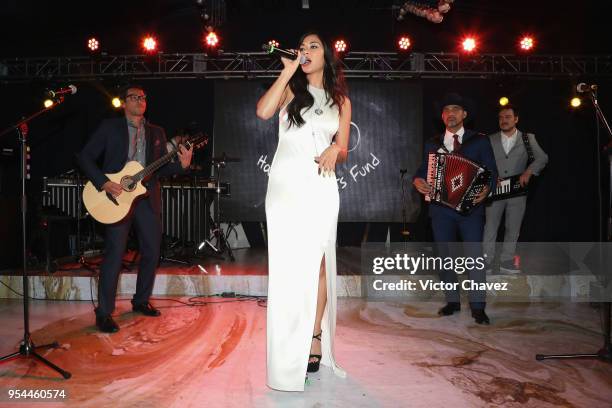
(318, 109)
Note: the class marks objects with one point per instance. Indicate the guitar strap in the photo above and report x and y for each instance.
(530, 156)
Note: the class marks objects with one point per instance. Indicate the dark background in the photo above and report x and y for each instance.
(37, 28)
(388, 116)
(563, 207)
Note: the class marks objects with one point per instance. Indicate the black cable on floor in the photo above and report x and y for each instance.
(191, 302)
(12, 290)
(225, 298)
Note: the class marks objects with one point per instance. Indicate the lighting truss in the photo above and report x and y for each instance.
(389, 65)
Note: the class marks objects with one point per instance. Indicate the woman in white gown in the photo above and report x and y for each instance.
(302, 205)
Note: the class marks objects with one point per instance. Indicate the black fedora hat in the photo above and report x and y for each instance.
(454, 98)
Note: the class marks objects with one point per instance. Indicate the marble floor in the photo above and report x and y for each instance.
(396, 355)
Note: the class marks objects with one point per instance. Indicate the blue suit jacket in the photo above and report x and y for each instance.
(109, 142)
(476, 147)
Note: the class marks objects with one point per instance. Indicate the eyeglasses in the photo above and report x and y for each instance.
(136, 98)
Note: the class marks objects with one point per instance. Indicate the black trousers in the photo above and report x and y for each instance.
(147, 224)
(447, 226)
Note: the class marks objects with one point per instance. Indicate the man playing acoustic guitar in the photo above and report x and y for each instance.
(116, 142)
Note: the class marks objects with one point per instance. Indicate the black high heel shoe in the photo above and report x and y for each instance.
(314, 366)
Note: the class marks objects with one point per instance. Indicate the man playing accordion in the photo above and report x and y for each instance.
(448, 224)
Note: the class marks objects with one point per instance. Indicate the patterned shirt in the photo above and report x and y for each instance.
(137, 150)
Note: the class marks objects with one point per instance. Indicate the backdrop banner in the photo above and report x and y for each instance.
(386, 136)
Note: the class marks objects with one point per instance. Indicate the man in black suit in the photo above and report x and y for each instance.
(447, 223)
(114, 143)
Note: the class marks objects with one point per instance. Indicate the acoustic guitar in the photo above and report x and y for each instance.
(107, 209)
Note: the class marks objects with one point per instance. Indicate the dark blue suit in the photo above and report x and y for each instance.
(108, 146)
(448, 225)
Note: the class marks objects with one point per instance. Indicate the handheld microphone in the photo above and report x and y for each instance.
(584, 88)
(70, 89)
(279, 52)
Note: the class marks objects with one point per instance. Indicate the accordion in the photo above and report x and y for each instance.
(455, 180)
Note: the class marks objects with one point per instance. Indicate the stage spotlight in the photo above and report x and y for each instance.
(503, 101)
(116, 102)
(527, 43)
(212, 40)
(469, 44)
(340, 46)
(274, 43)
(93, 44)
(149, 44)
(48, 103)
(404, 43)
(575, 102)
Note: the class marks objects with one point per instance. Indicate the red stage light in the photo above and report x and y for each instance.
(274, 43)
(527, 43)
(469, 44)
(149, 44)
(404, 43)
(340, 46)
(212, 40)
(93, 44)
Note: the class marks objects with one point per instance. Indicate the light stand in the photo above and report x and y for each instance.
(27, 347)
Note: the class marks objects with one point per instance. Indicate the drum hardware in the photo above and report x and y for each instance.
(64, 193)
(217, 235)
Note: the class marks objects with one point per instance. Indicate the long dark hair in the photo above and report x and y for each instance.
(333, 83)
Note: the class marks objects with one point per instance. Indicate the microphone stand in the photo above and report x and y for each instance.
(27, 347)
(605, 353)
(404, 231)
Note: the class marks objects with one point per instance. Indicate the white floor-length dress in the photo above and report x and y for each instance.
(302, 214)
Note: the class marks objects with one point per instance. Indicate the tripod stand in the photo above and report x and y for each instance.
(605, 353)
(217, 234)
(27, 347)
